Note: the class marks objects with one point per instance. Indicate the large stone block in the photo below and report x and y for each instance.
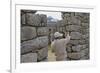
(68, 48)
(43, 19)
(74, 42)
(43, 41)
(42, 53)
(85, 57)
(30, 57)
(82, 41)
(28, 32)
(78, 55)
(34, 45)
(74, 56)
(85, 31)
(76, 35)
(75, 21)
(73, 28)
(86, 36)
(85, 24)
(79, 48)
(33, 19)
(72, 20)
(29, 46)
(42, 31)
(85, 52)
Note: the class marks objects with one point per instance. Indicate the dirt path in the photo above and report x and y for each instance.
(51, 55)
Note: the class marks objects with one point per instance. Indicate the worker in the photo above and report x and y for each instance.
(59, 46)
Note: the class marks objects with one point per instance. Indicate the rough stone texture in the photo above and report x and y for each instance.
(34, 36)
(73, 28)
(30, 57)
(42, 53)
(76, 35)
(42, 31)
(75, 21)
(33, 19)
(28, 32)
(43, 41)
(77, 24)
(43, 19)
(34, 45)
(74, 56)
(29, 46)
(78, 48)
(74, 42)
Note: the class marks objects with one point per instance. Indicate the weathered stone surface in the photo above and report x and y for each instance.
(75, 21)
(34, 45)
(85, 52)
(29, 46)
(78, 55)
(33, 19)
(42, 31)
(30, 57)
(85, 36)
(85, 24)
(28, 32)
(67, 15)
(82, 41)
(43, 41)
(78, 48)
(68, 49)
(73, 28)
(23, 20)
(85, 31)
(85, 57)
(87, 41)
(74, 56)
(76, 35)
(42, 53)
(43, 19)
(72, 20)
(74, 42)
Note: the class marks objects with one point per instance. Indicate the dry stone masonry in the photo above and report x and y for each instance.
(78, 25)
(35, 32)
(34, 36)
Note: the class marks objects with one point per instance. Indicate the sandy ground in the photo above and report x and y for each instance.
(51, 55)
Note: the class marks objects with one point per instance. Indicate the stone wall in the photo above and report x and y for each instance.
(78, 26)
(34, 36)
